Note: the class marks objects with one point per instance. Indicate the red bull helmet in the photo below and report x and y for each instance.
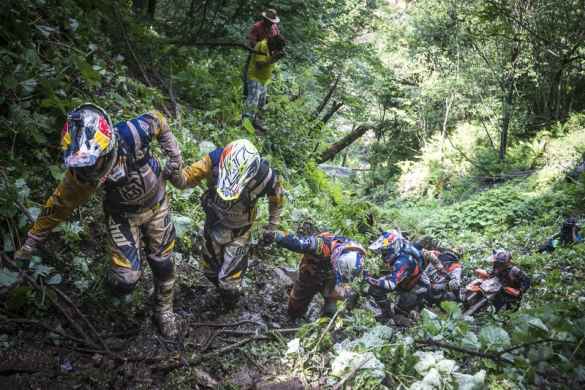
(389, 244)
(89, 142)
(238, 164)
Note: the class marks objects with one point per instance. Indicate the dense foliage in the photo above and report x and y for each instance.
(476, 116)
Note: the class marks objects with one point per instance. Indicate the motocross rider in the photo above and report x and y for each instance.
(514, 281)
(569, 234)
(118, 158)
(236, 178)
(442, 278)
(407, 265)
(328, 266)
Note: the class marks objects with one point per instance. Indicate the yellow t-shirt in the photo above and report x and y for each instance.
(264, 73)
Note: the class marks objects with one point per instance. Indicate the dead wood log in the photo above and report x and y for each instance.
(344, 142)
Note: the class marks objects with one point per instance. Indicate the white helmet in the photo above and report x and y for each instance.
(348, 265)
(238, 164)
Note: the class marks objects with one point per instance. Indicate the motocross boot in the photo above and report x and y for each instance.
(163, 310)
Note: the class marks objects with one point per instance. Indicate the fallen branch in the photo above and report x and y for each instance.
(83, 317)
(127, 333)
(212, 338)
(329, 325)
(35, 285)
(198, 359)
(210, 341)
(548, 340)
(215, 44)
(24, 210)
(351, 374)
(347, 140)
(44, 326)
(496, 356)
(488, 355)
(252, 332)
(225, 325)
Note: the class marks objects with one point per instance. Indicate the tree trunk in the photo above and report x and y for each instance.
(334, 108)
(507, 108)
(506, 116)
(327, 97)
(448, 102)
(343, 143)
(138, 6)
(151, 9)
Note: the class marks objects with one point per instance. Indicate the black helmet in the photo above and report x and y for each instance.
(501, 258)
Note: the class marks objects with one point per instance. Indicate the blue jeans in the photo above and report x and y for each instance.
(256, 98)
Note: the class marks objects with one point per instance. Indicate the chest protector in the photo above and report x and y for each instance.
(135, 182)
(241, 212)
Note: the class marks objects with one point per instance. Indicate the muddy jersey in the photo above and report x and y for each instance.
(407, 269)
(239, 213)
(325, 248)
(441, 267)
(513, 277)
(136, 181)
(134, 184)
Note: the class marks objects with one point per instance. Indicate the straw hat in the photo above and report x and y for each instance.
(270, 14)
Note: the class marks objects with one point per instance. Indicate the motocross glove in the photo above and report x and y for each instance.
(454, 285)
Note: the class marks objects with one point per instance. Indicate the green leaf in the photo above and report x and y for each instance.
(471, 341)
(183, 225)
(7, 277)
(248, 126)
(22, 189)
(452, 308)
(57, 172)
(493, 337)
(431, 322)
(537, 323)
(55, 279)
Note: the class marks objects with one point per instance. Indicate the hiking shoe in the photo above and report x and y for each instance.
(167, 323)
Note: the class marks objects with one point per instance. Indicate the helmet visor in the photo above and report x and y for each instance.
(239, 163)
(87, 136)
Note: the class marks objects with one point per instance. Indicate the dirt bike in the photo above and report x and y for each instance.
(483, 291)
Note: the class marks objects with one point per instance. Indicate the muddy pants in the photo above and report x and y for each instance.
(315, 276)
(155, 227)
(225, 256)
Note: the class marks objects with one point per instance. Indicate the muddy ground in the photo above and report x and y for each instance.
(221, 344)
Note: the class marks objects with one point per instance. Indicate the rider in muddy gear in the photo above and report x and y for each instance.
(514, 281)
(328, 266)
(237, 177)
(568, 235)
(442, 277)
(407, 265)
(118, 158)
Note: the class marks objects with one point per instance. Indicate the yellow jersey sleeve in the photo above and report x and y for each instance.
(68, 195)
